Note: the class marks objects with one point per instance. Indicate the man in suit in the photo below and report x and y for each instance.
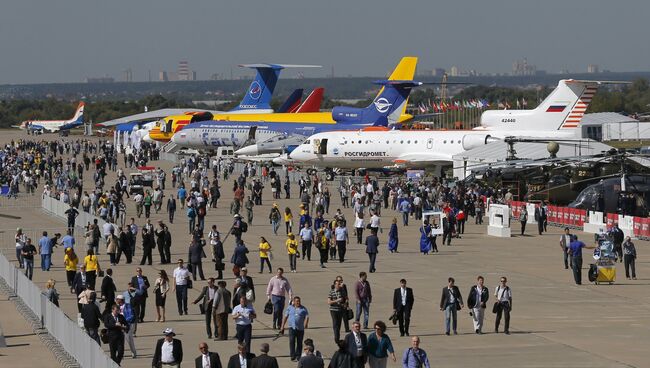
(92, 317)
(116, 326)
(565, 240)
(310, 360)
(168, 352)
(450, 302)
(207, 359)
(372, 248)
(108, 290)
(195, 257)
(402, 305)
(242, 359)
(220, 310)
(80, 283)
(264, 360)
(540, 217)
(476, 300)
(206, 298)
(356, 344)
(141, 284)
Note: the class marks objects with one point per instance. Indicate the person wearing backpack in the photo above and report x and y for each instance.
(126, 310)
(414, 357)
(191, 215)
(274, 218)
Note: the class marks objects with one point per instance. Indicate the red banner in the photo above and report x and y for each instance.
(645, 228)
(582, 218)
(611, 219)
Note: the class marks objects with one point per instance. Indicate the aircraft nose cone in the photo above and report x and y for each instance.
(147, 138)
(248, 151)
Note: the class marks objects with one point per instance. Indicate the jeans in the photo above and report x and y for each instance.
(262, 262)
(28, 264)
(19, 257)
(295, 342)
(244, 334)
(365, 307)
(278, 307)
(191, 223)
(275, 225)
(576, 265)
(181, 298)
(306, 249)
(405, 218)
(566, 258)
(341, 245)
(451, 312)
(46, 260)
(292, 261)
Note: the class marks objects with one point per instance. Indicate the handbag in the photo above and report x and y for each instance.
(496, 307)
(189, 284)
(201, 308)
(349, 314)
(100, 273)
(268, 307)
(219, 266)
(103, 335)
(393, 318)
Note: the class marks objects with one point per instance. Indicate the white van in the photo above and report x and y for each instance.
(225, 152)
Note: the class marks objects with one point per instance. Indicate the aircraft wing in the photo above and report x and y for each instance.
(422, 159)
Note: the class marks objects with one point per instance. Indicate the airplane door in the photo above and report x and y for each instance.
(168, 126)
(430, 143)
(322, 148)
(251, 133)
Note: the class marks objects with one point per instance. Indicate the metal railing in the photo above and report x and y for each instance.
(74, 340)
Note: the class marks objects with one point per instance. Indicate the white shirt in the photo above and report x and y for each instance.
(166, 355)
(206, 361)
(181, 275)
(242, 361)
(403, 290)
(374, 221)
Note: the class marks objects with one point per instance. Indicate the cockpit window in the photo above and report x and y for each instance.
(306, 142)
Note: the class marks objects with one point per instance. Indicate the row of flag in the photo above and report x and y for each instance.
(444, 106)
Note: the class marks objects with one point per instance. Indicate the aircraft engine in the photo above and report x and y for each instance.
(471, 141)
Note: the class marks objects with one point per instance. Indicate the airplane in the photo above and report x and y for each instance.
(558, 116)
(256, 101)
(51, 126)
(387, 108)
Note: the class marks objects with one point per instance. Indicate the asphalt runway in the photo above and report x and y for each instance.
(555, 323)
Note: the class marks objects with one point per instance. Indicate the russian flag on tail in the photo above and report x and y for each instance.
(556, 108)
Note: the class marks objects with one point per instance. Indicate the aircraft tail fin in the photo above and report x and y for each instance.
(259, 93)
(313, 101)
(293, 101)
(79, 114)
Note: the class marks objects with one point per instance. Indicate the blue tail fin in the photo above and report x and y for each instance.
(259, 93)
(385, 109)
(293, 102)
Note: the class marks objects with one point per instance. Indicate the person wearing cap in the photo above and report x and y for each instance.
(264, 360)
(237, 228)
(292, 251)
(169, 351)
(181, 278)
(274, 218)
(207, 359)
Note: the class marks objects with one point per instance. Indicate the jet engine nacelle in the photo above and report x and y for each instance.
(471, 141)
(345, 114)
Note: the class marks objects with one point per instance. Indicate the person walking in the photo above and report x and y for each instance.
(451, 301)
(276, 290)
(402, 306)
(264, 360)
(148, 244)
(265, 254)
(414, 357)
(45, 249)
(108, 290)
(181, 278)
(141, 285)
(274, 218)
(342, 357)
(51, 293)
(425, 238)
(337, 301)
(575, 248)
(476, 301)
(117, 327)
(372, 248)
(239, 258)
(629, 256)
(243, 358)
(218, 254)
(306, 239)
(296, 316)
(503, 296)
(244, 314)
(70, 261)
(127, 311)
(357, 345)
(363, 295)
(393, 237)
(92, 267)
(342, 239)
(28, 251)
(207, 296)
(523, 218)
(309, 359)
(207, 359)
(92, 317)
(565, 241)
(168, 351)
(380, 347)
(160, 289)
(171, 208)
(195, 256)
(221, 308)
(292, 251)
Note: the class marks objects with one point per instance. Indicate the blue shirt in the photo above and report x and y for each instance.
(411, 359)
(576, 248)
(44, 245)
(296, 317)
(306, 234)
(379, 349)
(182, 193)
(68, 242)
(405, 206)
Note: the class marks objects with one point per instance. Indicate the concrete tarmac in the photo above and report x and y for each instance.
(555, 323)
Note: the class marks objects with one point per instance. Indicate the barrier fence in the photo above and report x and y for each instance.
(588, 221)
(74, 340)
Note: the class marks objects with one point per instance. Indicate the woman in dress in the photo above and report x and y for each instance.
(425, 241)
(393, 239)
(161, 287)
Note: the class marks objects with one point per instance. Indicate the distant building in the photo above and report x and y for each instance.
(162, 76)
(593, 69)
(522, 68)
(183, 73)
(454, 71)
(127, 75)
(105, 79)
(438, 72)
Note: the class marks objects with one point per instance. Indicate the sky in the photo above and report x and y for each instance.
(46, 41)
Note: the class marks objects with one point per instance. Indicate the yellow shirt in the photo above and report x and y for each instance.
(265, 248)
(70, 263)
(292, 246)
(92, 263)
(287, 217)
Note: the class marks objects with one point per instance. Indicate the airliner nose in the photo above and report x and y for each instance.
(250, 150)
(147, 138)
(298, 154)
(178, 138)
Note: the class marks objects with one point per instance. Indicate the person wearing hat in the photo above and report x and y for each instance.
(237, 228)
(169, 351)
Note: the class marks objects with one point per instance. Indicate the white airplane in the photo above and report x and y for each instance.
(51, 126)
(558, 116)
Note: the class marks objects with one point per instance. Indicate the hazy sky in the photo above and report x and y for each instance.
(68, 40)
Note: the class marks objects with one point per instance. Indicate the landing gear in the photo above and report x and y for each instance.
(329, 174)
(311, 172)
